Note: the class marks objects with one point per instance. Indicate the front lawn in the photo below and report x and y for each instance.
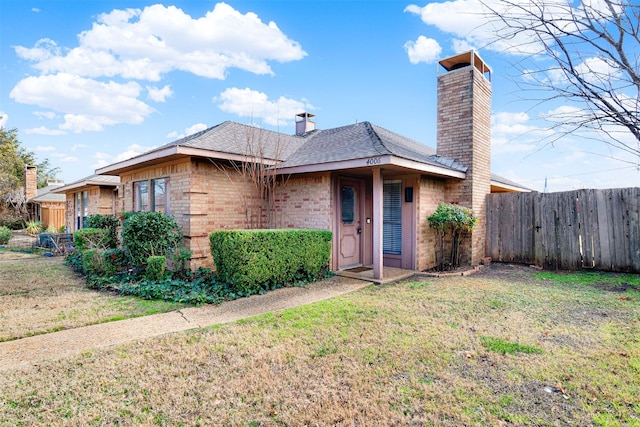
(40, 295)
(507, 346)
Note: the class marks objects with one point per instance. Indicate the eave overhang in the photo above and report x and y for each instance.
(173, 152)
(370, 162)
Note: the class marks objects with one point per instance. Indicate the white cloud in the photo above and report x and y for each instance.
(188, 131)
(88, 104)
(423, 50)
(256, 105)
(513, 132)
(104, 159)
(4, 117)
(42, 130)
(472, 22)
(45, 114)
(75, 147)
(159, 94)
(147, 43)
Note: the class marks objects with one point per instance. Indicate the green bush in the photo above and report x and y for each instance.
(146, 234)
(251, 261)
(456, 220)
(115, 260)
(93, 262)
(90, 238)
(11, 221)
(5, 235)
(109, 223)
(156, 266)
(34, 227)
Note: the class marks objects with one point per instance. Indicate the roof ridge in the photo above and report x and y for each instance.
(377, 141)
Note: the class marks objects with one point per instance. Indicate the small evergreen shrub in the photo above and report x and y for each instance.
(146, 234)
(115, 261)
(5, 235)
(453, 220)
(109, 223)
(90, 238)
(252, 261)
(156, 266)
(93, 262)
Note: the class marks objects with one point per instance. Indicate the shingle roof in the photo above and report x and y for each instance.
(45, 194)
(502, 180)
(362, 140)
(91, 180)
(236, 138)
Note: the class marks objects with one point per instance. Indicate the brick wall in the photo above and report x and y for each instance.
(430, 195)
(304, 202)
(464, 134)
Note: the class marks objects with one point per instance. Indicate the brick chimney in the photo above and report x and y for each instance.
(304, 123)
(30, 182)
(464, 134)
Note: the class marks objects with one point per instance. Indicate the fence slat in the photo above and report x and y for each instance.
(568, 230)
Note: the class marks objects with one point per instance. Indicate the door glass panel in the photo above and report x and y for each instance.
(348, 205)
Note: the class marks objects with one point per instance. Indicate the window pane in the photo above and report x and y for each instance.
(348, 205)
(159, 195)
(142, 196)
(392, 218)
(85, 208)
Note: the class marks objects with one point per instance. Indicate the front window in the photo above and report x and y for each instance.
(392, 217)
(82, 209)
(151, 195)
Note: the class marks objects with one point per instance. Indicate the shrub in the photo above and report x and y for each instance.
(5, 235)
(456, 220)
(156, 266)
(11, 221)
(93, 262)
(109, 223)
(251, 261)
(146, 234)
(90, 238)
(34, 227)
(115, 260)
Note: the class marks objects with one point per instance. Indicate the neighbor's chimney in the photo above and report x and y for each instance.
(304, 123)
(30, 182)
(464, 134)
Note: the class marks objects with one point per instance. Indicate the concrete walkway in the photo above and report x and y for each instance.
(30, 351)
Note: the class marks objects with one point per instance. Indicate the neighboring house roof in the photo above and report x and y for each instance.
(89, 181)
(46, 194)
(360, 141)
(506, 184)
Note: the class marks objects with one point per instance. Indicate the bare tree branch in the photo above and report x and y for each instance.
(594, 51)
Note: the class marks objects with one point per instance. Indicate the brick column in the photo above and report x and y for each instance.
(464, 134)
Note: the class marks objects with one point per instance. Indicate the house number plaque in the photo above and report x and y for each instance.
(374, 161)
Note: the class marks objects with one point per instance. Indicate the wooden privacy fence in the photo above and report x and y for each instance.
(597, 229)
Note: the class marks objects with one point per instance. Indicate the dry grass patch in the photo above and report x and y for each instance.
(40, 295)
(406, 354)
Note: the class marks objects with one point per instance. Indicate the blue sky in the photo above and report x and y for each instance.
(88, 83)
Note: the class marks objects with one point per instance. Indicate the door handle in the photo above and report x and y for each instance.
(359, 230)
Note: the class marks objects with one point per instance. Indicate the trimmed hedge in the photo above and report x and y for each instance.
(254, 260)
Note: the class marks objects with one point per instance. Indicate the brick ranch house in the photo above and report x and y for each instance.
(371, 187)
(94, 194)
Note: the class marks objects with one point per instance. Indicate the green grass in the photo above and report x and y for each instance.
(501, 346)
(470, 351)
